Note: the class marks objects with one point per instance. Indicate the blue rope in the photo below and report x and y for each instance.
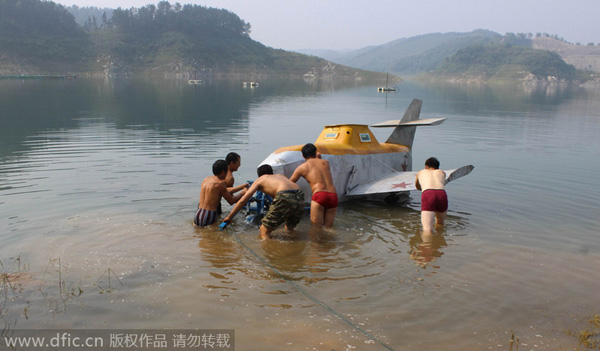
(305, 293)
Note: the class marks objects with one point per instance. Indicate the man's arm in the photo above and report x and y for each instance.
(227, 195)
(417, 185)
(235, 189)
(242, 201)
(299, 172)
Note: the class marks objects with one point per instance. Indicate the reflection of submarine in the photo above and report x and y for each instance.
(360, 165)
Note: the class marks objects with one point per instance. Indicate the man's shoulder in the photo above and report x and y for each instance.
(215, 183)
(263, 178)
(301, 170)
(317, 163)
(304, 165)
(323, 163)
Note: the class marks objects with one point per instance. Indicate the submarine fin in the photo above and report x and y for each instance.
(404, 133)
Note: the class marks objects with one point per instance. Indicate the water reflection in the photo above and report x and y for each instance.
(100, 186)
(288, 256)
(28, 108)
(474, 99)
(217, 248)
(172, 104)
(399, 226)
(425, 247)
(305, 251)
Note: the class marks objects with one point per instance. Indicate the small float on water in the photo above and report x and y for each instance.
(386, 89)
(195, 81)
(250, 84)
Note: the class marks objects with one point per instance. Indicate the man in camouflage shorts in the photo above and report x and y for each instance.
(287, 206)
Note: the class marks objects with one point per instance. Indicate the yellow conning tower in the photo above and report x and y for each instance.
(348, 139)
(341, 139)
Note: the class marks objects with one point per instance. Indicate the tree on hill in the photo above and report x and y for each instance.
(42, 36)
(201, 36)
(189, 19)
(411, 56)
(41, 32)
(85, 15)
(433, 57)
(490, 59)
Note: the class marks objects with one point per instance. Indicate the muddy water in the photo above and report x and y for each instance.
(99, 180)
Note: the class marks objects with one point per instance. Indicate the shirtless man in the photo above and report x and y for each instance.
(287, 205)
(317, 173)
(434, 201)
(234, 161)
(213, 188)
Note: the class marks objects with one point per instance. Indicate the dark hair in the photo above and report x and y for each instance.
(264, 169)
(219, 166)
(231, 157)
(309, 150)
(432, 162)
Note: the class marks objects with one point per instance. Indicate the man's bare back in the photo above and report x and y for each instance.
(271, 184)
(434, 200)
(214, 188)
(430, 178)
(317, 173)
(211, 192)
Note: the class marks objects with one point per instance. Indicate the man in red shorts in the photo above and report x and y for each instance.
(317, 173)
(434, 201)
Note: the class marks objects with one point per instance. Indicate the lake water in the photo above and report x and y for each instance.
(99, 180)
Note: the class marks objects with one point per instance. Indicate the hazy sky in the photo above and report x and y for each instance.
(353, 24)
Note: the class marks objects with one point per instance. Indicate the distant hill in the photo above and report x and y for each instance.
(409, 56)
(503, 61)
(331, 55)
(478, 56)
(41, 37)
(586, 57)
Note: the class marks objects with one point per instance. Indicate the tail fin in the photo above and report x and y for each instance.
(413, 111)
(404, 133)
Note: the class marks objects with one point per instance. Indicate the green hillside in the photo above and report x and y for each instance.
(410, 56)
(34, 32)
(41, 37)
(478, 56)
(503, 61)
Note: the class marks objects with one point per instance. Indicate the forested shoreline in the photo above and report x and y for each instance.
(42, 37)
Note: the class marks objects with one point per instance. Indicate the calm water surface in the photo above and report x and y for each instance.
(99, 180)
